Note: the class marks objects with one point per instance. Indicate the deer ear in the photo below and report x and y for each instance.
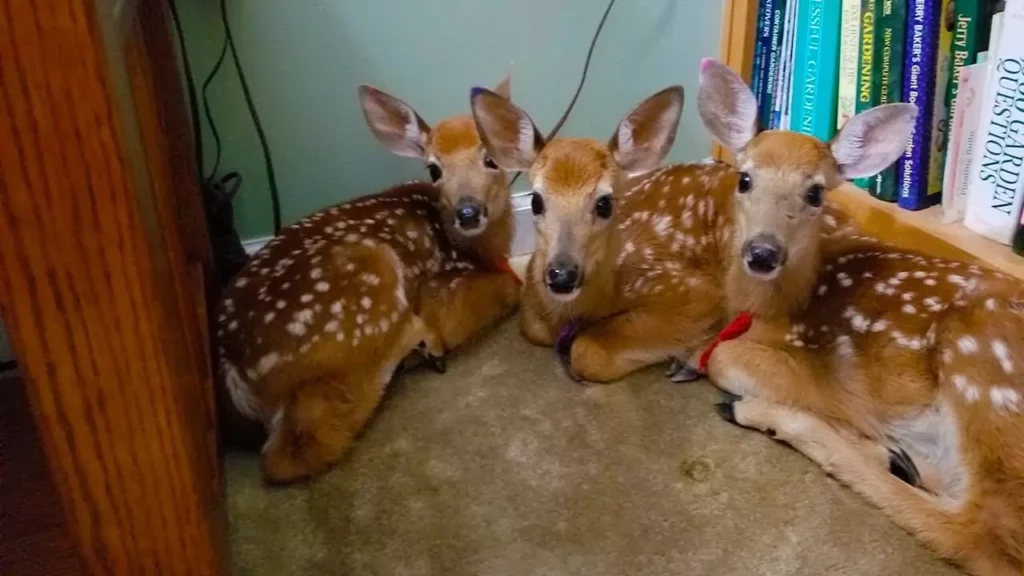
(504, 88)
(508, 133)
(394, 123)
(872, 140)
(646, 135)
(726, 105)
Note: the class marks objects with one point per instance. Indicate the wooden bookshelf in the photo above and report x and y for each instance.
(922, 230)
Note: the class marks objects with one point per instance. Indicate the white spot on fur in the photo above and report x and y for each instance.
(241, 282)
(268, 317)
(321, 286)
(297, 328)
(908, 309)
(880, 326)
(316, 273)
(956, 279)
(967, 345)
(1004, 398)
(844, 279)
(990, 304)
(1002, 353)
(366, 302)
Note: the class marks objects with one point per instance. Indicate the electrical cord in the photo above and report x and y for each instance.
(275, 199)
(579, 87)
(197, 134)
(206, 106)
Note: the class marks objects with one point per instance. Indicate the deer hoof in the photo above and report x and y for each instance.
(563, 348)
(903, 467)
(727, 408)
(438, 363)
(680, 371)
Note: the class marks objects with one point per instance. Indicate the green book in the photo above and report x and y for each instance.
(867, 78)
(967, 35)
(889, 44)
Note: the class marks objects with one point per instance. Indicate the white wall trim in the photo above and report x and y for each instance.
(522, 243)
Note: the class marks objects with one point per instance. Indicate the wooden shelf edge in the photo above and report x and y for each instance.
(924, 231)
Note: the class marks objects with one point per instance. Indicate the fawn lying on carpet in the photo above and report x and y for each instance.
(899, 373)
(312, 330)
(626, 272)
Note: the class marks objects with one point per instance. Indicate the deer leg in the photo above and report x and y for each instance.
(936, 522)
(622, 344)
(457, 307)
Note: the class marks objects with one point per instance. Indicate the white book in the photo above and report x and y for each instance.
(963, 139)
(787, 88)
(997, 174)
(849, 56)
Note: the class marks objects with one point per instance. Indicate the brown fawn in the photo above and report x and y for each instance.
(623, 274)
(313, 329)
(898, 373)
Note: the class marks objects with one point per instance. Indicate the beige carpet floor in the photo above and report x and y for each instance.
(505, 467)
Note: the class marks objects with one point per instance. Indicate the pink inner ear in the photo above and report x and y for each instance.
(705, 64)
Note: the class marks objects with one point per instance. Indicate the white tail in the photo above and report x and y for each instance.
(899, 373)
(312, 330)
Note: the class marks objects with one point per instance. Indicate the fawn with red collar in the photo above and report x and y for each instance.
(624, 274)
(312, 330)
(899, 373)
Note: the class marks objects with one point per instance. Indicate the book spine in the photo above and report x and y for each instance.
(971, 102)
(965, 45)
(780, 81)
(940, 107)
(889, 47)
(758, 68)
(849, 58)
(816, 70)
(777, 24)
(994, 202)
(953, 153)
(918, 89)
(868, 89)
(787, 88)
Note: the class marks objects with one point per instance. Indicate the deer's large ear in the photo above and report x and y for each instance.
(646, 135)
(394, 123)
(504, 88)
(508, 133)
(726, 105)
(872, 140)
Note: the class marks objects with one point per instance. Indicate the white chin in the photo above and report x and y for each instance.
(564, 297)
(763, 275)
(474, 232)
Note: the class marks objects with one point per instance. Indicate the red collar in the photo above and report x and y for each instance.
(501, 265)
(739, 325)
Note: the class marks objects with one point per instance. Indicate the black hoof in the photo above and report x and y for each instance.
(438, 363)
(563, 347)
(683, 372)
(903, 467)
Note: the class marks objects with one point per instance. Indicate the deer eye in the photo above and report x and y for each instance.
(537, 204)
(490, 164)
(435, 171)
(603, 207)
(814, 195)
(745, 183)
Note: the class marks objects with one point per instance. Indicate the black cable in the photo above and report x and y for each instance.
(579, 87)
(206, 106)
(197, 134)
(275, 200)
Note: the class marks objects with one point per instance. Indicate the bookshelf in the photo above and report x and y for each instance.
(921, 230)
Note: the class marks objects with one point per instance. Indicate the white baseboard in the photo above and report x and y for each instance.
(522, 243)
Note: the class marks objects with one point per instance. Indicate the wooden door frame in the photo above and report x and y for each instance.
(103, 268)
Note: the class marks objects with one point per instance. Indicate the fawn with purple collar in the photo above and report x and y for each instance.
(899, 373)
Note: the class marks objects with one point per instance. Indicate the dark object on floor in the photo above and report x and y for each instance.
(229, 256)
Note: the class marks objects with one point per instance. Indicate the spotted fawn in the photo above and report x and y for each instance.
(899, 373)
(312, 330)
(624, 274)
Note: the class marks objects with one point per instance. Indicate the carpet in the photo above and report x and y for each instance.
(504, 467)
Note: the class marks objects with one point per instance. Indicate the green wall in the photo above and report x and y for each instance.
(305, 58)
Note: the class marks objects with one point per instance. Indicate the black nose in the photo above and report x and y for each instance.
(467, 214)
(563, 278)
(763, 254)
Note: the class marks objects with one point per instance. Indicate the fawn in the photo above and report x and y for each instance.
(897, 372)
(312, 330)
(623, 274)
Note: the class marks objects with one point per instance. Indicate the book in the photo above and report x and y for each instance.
(786, 92)
(940, 107)
(967, 32)
(996, 194)
(919, 89)
(779, 98)
(890, 41)
(962, 150)
(777, 24)
(1018, 238)
(815, 69)
(850, 53)
(760, 40)
(868, 93)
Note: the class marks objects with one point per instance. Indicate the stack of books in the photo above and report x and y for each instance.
(819, 62)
